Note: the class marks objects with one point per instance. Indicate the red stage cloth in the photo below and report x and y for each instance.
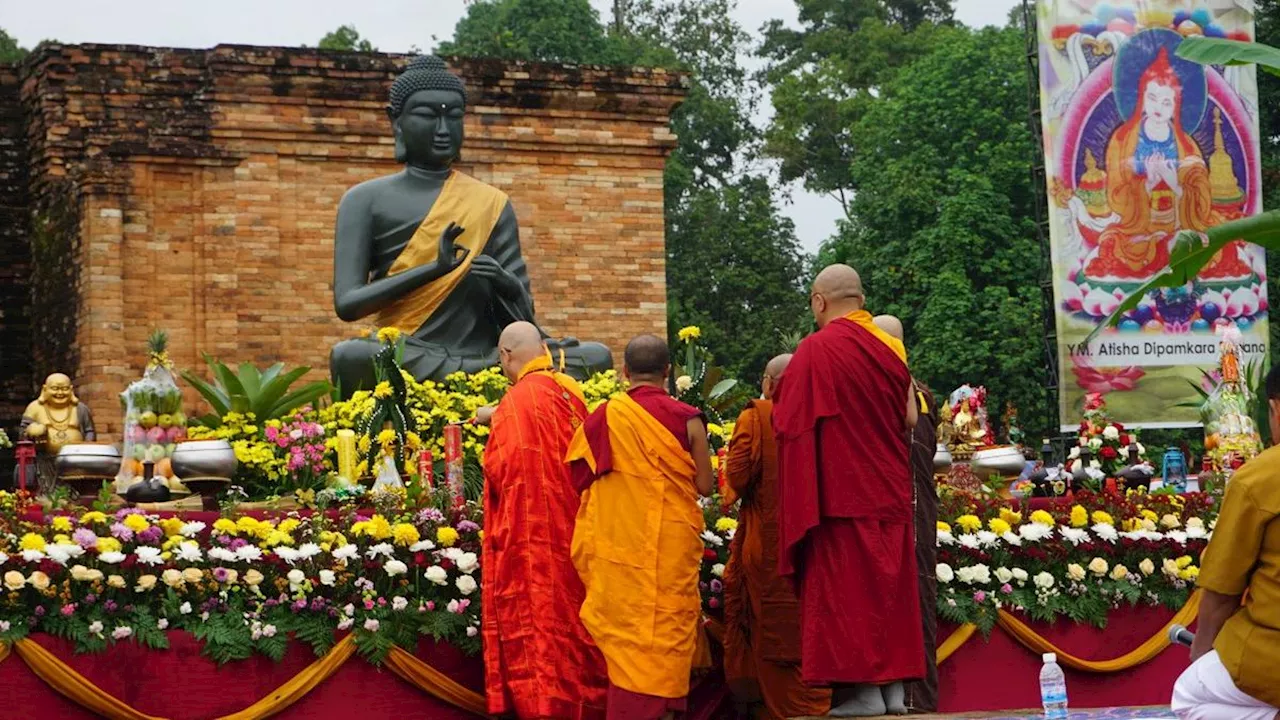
(180, 684)
(1002, 674)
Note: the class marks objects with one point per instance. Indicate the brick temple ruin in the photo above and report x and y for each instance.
(195, 191)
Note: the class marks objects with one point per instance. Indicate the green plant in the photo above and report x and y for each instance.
(266, 394)
(698, 382)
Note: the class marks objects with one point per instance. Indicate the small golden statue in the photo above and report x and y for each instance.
(946, 431)
(54, 420)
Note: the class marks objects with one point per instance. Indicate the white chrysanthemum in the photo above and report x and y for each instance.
(1106, 532)
(968, 540)
(148, 555)
(191, 529)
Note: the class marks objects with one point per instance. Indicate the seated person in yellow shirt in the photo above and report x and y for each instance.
(1235, 671)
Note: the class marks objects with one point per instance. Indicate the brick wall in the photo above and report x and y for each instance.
(15, 262)
(202, 188)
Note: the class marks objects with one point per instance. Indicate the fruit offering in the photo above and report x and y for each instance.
(153, 420)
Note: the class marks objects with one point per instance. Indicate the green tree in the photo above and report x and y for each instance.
(1267, 17)
(733, 264)
(346, 38)
(823, 77)
(942, 224)
(10, 51)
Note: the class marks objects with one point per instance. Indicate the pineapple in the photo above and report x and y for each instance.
(158, 345)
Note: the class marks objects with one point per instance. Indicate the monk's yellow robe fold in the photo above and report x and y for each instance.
(470, 204)
(637, 546)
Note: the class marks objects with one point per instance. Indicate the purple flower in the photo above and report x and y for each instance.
(110, 606)
(271, 602)
(467, 526)
(299, 605)
(430, 515)
(716, 586)
(237, 543)
(90, 599)
(120, 531)
(220, 574)
(317, 604)
(152, 534)
(126, 512)
(39, 611)
(85, 538)
(979, 596)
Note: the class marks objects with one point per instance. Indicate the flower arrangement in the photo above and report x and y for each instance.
(696, 381)
(303, 443)
(5, 442)
(721, 525)
(243, 585)
(1079, 560)
(1108, 441)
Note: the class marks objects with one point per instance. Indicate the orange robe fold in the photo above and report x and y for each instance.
(540, 662)
(845, 511)
(762, 630)
(637, 547)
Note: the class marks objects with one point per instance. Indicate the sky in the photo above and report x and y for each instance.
(391, 25)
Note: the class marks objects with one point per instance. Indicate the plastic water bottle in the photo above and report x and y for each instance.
(1053, 688)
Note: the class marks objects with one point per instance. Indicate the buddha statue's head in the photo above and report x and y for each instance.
(1160, 90)
(426, 108)
(57, 391)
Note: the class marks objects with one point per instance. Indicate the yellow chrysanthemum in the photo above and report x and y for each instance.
(725, 524)
(108, 544)
(405, 534)
(691, 332)
(61, 539)
(62, 524)
(389, 335)
(1189, 573)
(136, 523)
(225, 526)
(446, 536)
(1011, 517)
(171, 526)
(998, 526)
(413, 440)
(364, 444)
(31, 541)
(943, 527)
(969, 523)
(1150, 515)
(1102, 518)
(1079, 516)
(376, 527)
(92, 518)
(386, 437)
(1040, 517)
(383, 390)
(275, 537)
(288, 525)
(1184, 561)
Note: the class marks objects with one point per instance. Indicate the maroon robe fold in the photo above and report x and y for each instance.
(845, 508)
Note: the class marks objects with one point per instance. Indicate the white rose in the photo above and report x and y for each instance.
(327, 577)
(1111, 433)
(718, 569)
(1003, 575)
(684, 383)
(1095, 444)
(472, 631)
(1119, 572)
(395, 567)
(399, 603)
(1075, 572)
(1044, 580)
(945, 573)
(296, 576)
(1146, 566)
(466, 584)
(1195, 522)
(1075, 453)
(437, 575)
(1170, 521)
(1019, 575)
(467, 562)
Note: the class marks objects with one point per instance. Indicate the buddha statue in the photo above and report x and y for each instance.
(432, 251)
(54, 420)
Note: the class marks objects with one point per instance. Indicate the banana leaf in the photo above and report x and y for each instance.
(1190, 254)
(1220, 51)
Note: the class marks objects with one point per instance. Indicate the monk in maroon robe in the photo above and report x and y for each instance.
(846, 529)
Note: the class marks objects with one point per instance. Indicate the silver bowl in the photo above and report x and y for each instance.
(197, 459)
(87, 460)
(1003, 461)
(942, 459)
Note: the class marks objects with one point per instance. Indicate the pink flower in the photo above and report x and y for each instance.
(714, 602)
(68, 610)
(431, 605)
(1006, 588)
(979, 596)
(1096, 380)
(368, 604)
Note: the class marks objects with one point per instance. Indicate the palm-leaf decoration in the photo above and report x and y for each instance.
(266, 394)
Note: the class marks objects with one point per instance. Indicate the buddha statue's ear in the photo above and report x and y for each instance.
(401, 154)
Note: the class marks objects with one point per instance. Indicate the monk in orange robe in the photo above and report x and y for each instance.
(846, 526)
(762, 630)
(540, 662)
(641, 460)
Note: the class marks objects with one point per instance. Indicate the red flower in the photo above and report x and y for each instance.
(709, 554)
(1108, 453)
(1124, 439)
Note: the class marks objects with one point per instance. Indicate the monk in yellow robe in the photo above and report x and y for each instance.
(641, 460)
(539, 660)
(761, 614)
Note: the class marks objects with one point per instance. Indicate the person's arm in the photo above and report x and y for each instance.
(1215, 610)
(700, 448)
(913, 406)
(741, 459)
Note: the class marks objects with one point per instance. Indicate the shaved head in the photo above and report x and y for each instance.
(837, 291)
(891, 325)
(519, 343)
(772, 373)
(647, 356)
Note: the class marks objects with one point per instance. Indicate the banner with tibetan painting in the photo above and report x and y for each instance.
(1139, 145)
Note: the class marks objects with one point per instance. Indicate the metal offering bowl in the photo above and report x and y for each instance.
(1002, 461)
(87, 460)
(204, 459)
(942, 459)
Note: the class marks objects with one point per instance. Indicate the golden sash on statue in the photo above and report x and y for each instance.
(473, 206)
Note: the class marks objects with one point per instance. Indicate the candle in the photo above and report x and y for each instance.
(453, 462)
(346, 448)
(425, 470)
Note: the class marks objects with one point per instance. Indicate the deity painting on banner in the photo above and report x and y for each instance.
(1142, 145)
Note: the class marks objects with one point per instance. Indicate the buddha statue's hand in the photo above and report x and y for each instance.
(504, 281)
(451, 256)
(35, 431)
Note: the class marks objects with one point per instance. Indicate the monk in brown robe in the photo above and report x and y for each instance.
(922, 695)
(762, 629)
